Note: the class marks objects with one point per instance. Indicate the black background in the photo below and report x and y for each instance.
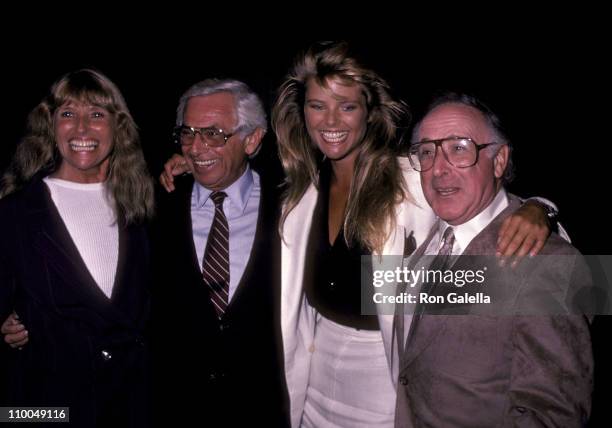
(547, 85)
(544, 88)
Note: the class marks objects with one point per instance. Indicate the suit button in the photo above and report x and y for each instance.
(140, 341)
(311, 348)
(403, 380)
(106, 355)
(224, 326)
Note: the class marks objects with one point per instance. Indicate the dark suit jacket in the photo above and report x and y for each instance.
(482, 370)
(221, 373)
(85, 351)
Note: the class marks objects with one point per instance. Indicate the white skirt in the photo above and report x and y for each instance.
(350, 382)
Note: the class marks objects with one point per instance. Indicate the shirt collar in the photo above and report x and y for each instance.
(238, 193)
(464, 233)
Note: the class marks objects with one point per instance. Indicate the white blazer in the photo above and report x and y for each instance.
(298, 317)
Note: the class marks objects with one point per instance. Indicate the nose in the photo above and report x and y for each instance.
(198, 145)
(82, 123)
(331, 117)
(441, 165)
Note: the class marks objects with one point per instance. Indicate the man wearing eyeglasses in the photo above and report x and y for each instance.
(471, 363)
(214, 301)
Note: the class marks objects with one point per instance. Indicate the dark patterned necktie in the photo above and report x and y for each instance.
(215, 266)
(439, 263)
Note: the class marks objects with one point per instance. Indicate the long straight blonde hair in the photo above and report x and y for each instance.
(377, 185)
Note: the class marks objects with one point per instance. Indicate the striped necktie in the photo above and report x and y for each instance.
(215, 265)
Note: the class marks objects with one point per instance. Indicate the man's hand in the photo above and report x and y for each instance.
(174, 166)
(524, 232)
(15, 333)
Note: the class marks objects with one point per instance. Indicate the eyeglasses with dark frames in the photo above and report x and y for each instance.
(461, 152)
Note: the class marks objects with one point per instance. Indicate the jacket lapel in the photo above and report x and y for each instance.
(430, 326)
(262, 236)
(413, 222)
(52, 242)
(179, 211)
(295, 242)
(133, 269)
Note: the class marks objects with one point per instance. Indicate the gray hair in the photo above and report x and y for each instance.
(251, 114)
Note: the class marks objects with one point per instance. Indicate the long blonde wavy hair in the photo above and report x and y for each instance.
(128, 185)
(377, 185)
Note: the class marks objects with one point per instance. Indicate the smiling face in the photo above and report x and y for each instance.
(336, 118)
(217, 167)
(84, 137)
(459, 194)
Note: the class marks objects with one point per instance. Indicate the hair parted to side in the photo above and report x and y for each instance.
(249, 108)
(494, 122)
(377, 185)
(128, 185)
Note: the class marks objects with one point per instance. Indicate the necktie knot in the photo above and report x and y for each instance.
(218, 198)
(448, 239)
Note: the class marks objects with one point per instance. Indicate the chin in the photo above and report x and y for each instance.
(446, 214)
(203, 180)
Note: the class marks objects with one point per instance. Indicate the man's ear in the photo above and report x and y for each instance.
(501, 160)
(253, 141)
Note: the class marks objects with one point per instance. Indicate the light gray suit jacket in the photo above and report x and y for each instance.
(499, 371)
